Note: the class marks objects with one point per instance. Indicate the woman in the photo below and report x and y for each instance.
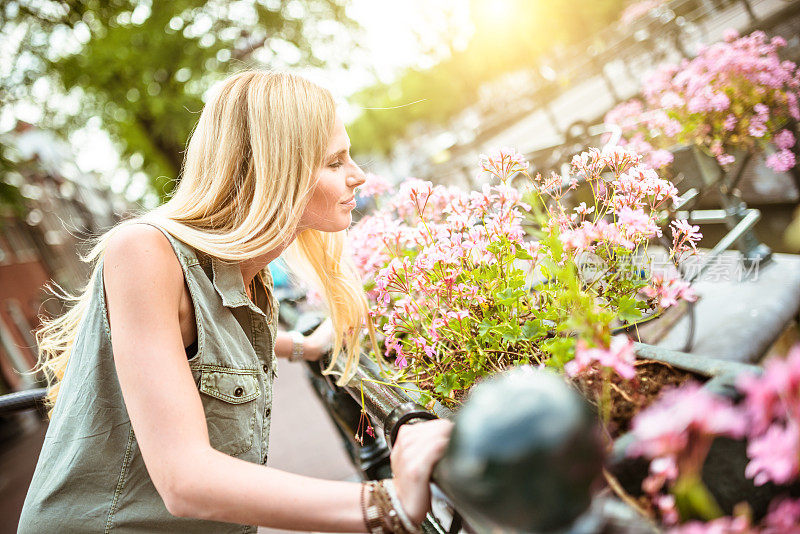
(163, 367)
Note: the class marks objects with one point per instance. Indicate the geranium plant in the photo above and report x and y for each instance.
(737, 95)
(466, 284)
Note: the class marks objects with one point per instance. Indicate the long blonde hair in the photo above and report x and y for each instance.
(248, 174)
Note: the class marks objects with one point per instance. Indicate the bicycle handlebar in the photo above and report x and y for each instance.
(21, 400)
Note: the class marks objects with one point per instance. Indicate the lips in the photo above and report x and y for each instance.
(349, 200)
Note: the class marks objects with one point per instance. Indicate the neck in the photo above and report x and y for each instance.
(255, 265)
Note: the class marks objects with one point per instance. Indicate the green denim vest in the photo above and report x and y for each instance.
(90, 476)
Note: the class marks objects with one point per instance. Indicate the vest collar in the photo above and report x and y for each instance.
(230, 286)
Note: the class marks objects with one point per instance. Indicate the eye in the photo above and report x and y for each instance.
(336, 164)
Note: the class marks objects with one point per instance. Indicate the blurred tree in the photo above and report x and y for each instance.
(11, 200)
(142, 66)
(509, 35)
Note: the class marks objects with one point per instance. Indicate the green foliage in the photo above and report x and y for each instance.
(143, 66)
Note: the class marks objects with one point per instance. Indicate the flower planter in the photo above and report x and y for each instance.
(757, 183)
(693, 168)
(723, 471)
(555, 456)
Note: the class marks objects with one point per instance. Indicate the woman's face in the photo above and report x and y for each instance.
(333, 197)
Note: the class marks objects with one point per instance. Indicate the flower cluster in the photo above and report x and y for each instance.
(772, 406)
(735, 95)
(374, 185)
(619, 357)
(464, 284)
(672, 424)
(676, 432)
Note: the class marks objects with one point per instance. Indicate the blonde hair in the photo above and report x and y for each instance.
(248, 174)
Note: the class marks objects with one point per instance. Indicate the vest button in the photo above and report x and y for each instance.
(238, 392)
(265, 367)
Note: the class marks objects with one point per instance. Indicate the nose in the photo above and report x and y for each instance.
(356, 176)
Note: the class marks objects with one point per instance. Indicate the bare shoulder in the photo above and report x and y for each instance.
(141, 256)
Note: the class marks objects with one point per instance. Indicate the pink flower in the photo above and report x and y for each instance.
(685, 235)
(783, 517)
(581, 209)
(633, 222)
(618, 356)
(730, 122)
(720, 102)
(784, 139)
(775, 395)
(429, 351)
(664, 428)
(694, 101)
(662, 470)
(725, 159)
(667, 509)
(730, 35)
(774, 456)
(722, 525)
(401, 361)
(667, 292)
(460, 314)
(577, 240)
(772, 405)
(640, 185)
(757, 129)
(660, 158)
(503, 163)
(374, 185)
(782, 160)
(671, 99)
(617, 157)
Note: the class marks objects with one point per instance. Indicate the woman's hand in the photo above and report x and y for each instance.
(417, 449)
(319, 342)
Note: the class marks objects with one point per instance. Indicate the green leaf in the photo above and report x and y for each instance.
(445, 383)
(494, 247)
(560, 349)
(509, 333)
(522, 254)
(532, 330)
(628, 309)
(484, 327)
(509, 295)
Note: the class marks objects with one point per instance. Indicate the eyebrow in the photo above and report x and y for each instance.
(339, 153)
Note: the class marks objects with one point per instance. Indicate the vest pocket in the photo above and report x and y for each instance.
(230, 407)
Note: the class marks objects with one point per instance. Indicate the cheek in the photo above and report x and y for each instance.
(325, 197)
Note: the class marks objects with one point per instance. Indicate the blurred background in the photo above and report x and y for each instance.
(98, 99)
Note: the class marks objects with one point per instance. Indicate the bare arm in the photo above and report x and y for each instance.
(315, 345)
(144, 281)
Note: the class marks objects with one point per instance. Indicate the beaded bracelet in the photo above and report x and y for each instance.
(408, 524)
(382, 510)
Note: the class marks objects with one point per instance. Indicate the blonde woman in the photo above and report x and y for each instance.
(163, 368)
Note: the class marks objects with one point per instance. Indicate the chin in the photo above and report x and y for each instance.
(337, 225)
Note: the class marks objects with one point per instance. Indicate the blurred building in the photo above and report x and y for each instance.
(41, 237)
(538, 109)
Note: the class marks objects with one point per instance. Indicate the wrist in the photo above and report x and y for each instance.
(298, 346)
(411, 524)
(382, 510)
